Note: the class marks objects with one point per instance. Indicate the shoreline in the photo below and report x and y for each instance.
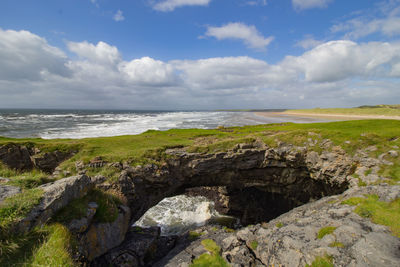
(331, 116)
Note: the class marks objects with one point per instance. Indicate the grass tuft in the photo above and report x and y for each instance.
(254, 244)
(107, 210)
(213, 258)
(378, 211)
(336, 245)
(325, 261)
(325, 231)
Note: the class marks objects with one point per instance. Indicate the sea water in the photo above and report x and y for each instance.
(178, 214)
(51, 124)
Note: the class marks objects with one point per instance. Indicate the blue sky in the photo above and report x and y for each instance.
(200, 54)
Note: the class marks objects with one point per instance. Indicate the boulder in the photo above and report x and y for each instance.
(16, 157)
(80, 225)
(56, 195)
(101, 237)
(8, 191)
(48, 161)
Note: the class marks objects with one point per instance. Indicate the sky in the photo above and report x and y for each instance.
(198, 54)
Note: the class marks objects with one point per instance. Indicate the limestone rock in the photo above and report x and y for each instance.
(48, 162)
(295, 243)
(8, 191)
(80, 225)
(56, 196)
(141, 247)
(16, 157)
(101, 237)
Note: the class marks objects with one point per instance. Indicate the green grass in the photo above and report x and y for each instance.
(45, 246)
(213, 258)
(325, 231)
(325, 261)
(368, 172)
(149, 147)
(279, 224)
(254, 244)
(193, 235)
(378, 211)
(56, 250)
(107, 210)
(336, 245)
(17, 207)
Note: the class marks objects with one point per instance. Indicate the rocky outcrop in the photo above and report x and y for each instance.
(101, 237)
(252, 182)
(8, 191)
(47, 162)
(56, 195)
(288, 175)
(21, 158)
(292, 239)
(16, 157)
(142, 247)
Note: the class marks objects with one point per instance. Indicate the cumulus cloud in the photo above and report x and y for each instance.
(334, 73)
(308, 42)
(171, 5)
(337, 60)
(101, 53)
(118, 16)
(148, 71)
(246, 33)
(24, 55)
(308, 4)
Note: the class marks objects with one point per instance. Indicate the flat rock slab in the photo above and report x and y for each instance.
(8, 191)
(56, 196)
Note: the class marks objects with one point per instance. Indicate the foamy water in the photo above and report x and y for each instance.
(178, 214)
(51, 124)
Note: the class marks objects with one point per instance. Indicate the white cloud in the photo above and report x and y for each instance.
(118, 16)
(24, 55)
(308, 42)
(360, 27)
(148, 71)
(257, 3)
(383, 19)
(247, 33)
(170, 5)
(308, 4)
(338, 60)
(101, 53)
(35, 74)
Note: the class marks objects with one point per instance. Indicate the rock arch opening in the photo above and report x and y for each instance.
(250, 183)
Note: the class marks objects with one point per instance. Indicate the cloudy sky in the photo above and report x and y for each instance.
(198, 54)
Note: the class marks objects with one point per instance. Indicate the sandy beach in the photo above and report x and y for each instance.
(326, 116)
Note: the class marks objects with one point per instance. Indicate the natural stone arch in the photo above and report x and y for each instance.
(289, 175)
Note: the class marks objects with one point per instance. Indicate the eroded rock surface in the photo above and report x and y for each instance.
(291, 239)
(56, 195)
(8, 191)
(101, 237)
(16, 157)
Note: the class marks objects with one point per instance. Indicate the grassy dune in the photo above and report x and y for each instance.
(380, 110)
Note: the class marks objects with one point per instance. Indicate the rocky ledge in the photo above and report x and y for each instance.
(293, 238)
(289, 194)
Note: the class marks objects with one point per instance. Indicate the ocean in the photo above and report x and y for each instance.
(52, 124)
